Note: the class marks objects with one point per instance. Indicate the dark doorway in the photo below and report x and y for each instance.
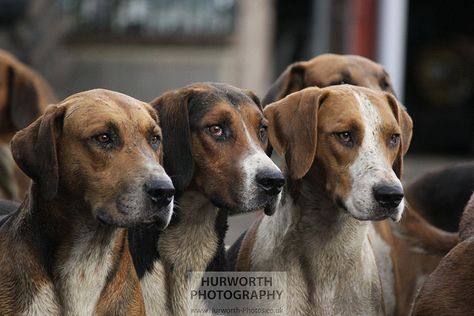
(440, 76)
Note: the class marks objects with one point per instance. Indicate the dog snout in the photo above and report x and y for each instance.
(388, 196)
(160, 192)
(270, 181)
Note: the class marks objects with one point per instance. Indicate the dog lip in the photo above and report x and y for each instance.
(270, 209)
(379, 216)
(340, 203)
(104, 218)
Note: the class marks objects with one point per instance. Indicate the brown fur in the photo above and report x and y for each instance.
(213, 176)
(245, 251)
(449, 290)
(328, 70)
(24, 95)
(325, 177)
(331, 69)
(72, 174)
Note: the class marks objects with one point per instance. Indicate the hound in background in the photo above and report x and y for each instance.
(449, 290)
(343, 147)
(329, 70)
(24, 95)
(65, 251)
(214, 138)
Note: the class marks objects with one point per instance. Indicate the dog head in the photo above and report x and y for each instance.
(22, 96)
(215, 138)
(349, 139)
(329, 70)
(101, 150)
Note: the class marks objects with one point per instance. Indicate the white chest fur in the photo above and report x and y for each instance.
(83, 275)
(44, 303)
(154, 291)
(188, 246)
(329, 272)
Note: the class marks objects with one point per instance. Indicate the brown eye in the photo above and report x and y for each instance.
(155, 141)
(262, 133)
(384, 85)
(216, 130)
(345, 138)
(394, 139)
(103, 138)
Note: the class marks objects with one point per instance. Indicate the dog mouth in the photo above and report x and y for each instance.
(375, 214)
(159, 217)
(268, 203)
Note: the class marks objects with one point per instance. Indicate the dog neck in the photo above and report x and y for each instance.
(313, 219)
(193, 242)
(79, 254)
(193, 214)
(325, 251)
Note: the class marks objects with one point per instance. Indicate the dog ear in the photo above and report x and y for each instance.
(293, 129)
(23, 98)
(253, 96)
(173, 113)
(34, 150)
(406, 125)
(291, 80)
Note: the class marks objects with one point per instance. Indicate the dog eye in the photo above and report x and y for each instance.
(384, 85)
(262, 133)
(103, 138)
(394, 139)
(345, 138)
(155, 141)
(216, 130)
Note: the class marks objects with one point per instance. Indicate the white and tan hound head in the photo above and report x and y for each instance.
(101, 151)
(215, 137)
(329, 70)
(350, 139)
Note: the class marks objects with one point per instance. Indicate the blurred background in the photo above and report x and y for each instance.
(145, 47)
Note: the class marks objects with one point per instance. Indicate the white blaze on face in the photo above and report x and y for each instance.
(253, 161)
(370, 168)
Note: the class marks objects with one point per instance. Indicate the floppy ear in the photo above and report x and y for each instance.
(23, 99)
(293, 129)
(34, 150)
(173, 112)
(291, 80)
(406, 125)
(253, 96)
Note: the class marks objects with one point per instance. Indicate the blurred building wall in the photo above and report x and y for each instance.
(142, 68)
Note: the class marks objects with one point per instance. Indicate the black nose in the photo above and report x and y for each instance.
(388, 196)
(160, 192)
(270, 181)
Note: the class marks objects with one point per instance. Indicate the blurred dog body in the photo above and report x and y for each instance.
(24, 95)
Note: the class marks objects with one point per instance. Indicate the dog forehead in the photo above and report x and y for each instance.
(103, 105)
(344, 65)
(339, 106)
(353, 102)
(379, 101)
(220, 99)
